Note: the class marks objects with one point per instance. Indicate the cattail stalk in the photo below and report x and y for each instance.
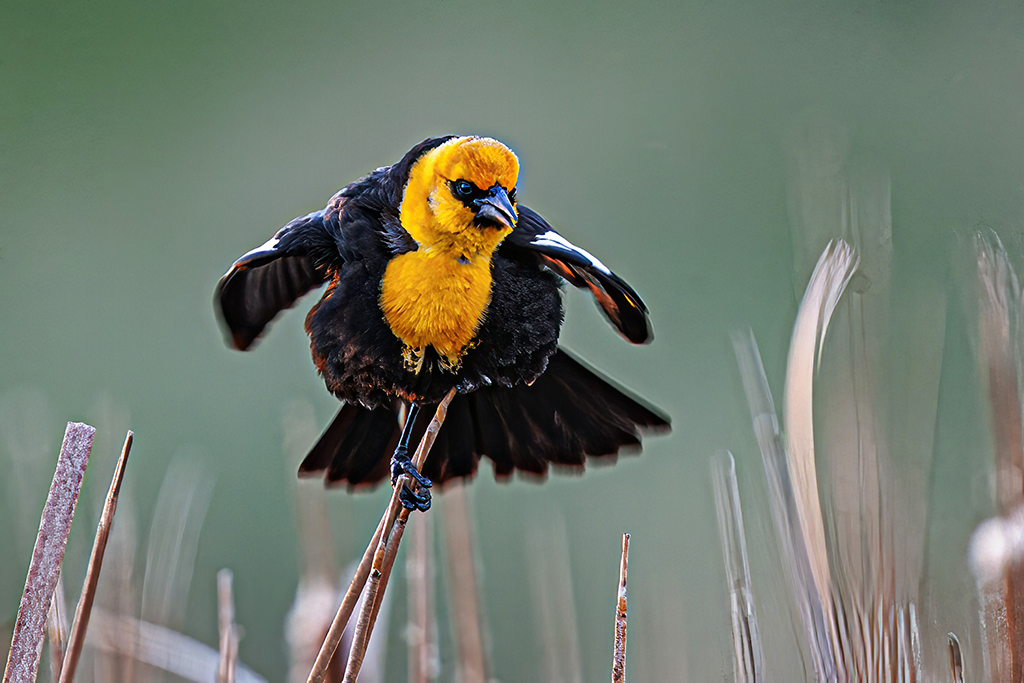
(48, 554)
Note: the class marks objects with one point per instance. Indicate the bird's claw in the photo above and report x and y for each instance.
(401, 464)
(399, 459)
(415, 501)
(412, 500)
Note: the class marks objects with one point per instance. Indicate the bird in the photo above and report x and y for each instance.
(437, 278)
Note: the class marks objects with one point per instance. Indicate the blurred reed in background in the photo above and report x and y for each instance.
(847, 468)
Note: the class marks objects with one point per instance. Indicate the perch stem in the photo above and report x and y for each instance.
(371, 566)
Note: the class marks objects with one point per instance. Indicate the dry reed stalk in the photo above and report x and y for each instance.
(227, 628)
(393, 524)
(996, 556)
(360, 642)
(419, 570)
(48, 554)
(373, 556)
(373, 665)
(748, 655)
(390, 555)
(465, 603)
(619, 656)
(828, 281)
(852, 593)
(118, 589)
(873, 476)
(876, 405)
(348, 603)
(840, 644)
(1002, 597)
(853, 461)
(92, 574)
(999, 301)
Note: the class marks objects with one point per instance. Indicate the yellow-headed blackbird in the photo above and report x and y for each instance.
(436, 278)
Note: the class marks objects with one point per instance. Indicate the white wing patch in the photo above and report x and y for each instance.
(553, 239)
(269, 245)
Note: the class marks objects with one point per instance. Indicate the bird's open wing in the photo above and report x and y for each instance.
(269, 279)
(617, 299)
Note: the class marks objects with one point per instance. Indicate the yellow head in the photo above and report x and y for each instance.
(460, 197)
(459, 205)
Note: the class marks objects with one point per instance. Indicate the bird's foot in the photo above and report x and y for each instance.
(414, 501)
(410, 498)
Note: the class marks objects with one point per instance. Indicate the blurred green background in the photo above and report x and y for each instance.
(144, 146)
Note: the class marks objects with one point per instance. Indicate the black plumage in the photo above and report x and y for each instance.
(523, 403)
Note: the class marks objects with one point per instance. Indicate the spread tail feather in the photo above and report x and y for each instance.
(569, 414)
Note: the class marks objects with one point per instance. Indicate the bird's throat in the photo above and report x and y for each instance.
(436, 297)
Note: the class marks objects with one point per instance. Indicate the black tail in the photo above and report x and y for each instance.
(566, 416)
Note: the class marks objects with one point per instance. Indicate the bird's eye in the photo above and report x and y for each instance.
(512, 195)
(463, 188)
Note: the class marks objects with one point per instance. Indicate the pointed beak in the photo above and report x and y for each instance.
(496, 209)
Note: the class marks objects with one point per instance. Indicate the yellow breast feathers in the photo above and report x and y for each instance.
(438, 295)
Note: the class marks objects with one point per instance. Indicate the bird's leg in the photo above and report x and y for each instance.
(400, 461)
(402, 464)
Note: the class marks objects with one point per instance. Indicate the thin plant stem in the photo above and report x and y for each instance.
(747, 654)
(375, 548)
(382, 559)
(619, 658)
(92, 574)
(355, 588)
(390, 555)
